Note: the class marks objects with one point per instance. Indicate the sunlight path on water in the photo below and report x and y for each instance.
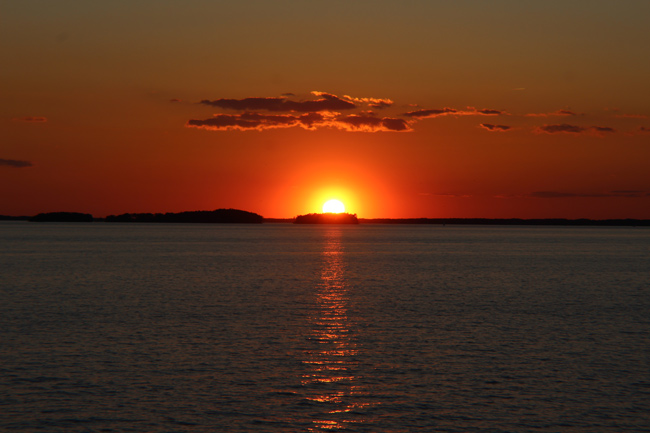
(332, 381)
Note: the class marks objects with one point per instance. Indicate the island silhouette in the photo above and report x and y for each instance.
(220, 216)
(327, 218)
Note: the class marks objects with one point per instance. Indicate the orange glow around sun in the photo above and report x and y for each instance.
(307, 187)
(333, 206)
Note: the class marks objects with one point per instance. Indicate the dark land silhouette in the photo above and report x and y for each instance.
(245, 217)
(68, 217)
(509, 221)
(327, 218)
(220, 216)
(14, 218)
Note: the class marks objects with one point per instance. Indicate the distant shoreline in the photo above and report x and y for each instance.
(491, 221)
(509, 221)
(247, 217)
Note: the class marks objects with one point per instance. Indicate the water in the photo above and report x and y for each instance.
(282, 328)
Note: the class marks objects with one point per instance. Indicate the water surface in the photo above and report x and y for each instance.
(283, 328)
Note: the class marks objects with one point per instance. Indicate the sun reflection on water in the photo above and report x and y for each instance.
(332, 380)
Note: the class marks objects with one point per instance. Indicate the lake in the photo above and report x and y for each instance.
(295, 328)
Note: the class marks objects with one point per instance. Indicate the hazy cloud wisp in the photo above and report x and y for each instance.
(490, 127)
(572, 129)
(15, 163)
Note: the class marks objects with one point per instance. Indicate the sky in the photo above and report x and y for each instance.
(400, 109)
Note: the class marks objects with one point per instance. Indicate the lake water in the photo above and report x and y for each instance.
(282, 328)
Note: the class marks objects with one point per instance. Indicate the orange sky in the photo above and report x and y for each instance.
(423, 109)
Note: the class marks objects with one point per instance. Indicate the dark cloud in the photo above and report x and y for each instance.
(560, 194)
(424, 114)
(370, 123)
(554, 113)
(447, 194)
(327, 102)
(249, 121)
(603, 129)
(488, 112)
(327, 110)
(552, 194)
(564, 127)
(256, 121)
(14, 163)
(395, 124)
(630, 192)
(572, 129)
(30, 119)
(643, 130)
(380, 104)
(322, 112)
(491, 127)
(436, 112)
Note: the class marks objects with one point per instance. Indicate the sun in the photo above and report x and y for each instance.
(333, 206)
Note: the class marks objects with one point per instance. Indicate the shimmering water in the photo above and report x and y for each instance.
(282, 328)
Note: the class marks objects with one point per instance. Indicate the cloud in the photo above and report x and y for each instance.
(554, 194)
(327, 102)
(564, 127)
(560, 194)
(14, 163)
(630, 193)
(643, 130)
(554, 113)
(491, 127)
(255, 121)
(602, 129)
(572, 129)
(370, 123)
(325, 110)
(371, 102)
(174, 100)
(486, 112)
(436, 112)
(425, 114)
(251, 121)
(454, 195)
(322, 111)
(30, 119)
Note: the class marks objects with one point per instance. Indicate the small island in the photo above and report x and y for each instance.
(327, 218)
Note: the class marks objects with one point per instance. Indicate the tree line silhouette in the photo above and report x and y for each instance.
(327, 218)
(202, 216)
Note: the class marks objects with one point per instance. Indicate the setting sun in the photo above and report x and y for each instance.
(333, 206)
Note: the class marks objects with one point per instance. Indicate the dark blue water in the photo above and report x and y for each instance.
(282, 328)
